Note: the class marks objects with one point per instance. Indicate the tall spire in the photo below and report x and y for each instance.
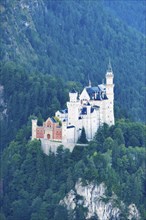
(89, 81)
(109, 66)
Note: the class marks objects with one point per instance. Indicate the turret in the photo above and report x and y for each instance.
(73, 107)
(109, 82)
(110, 94)
(73, 95)
(109, 75)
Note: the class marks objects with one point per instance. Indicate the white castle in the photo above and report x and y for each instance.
(89, 110)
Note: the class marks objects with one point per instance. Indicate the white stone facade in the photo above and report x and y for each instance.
(91, 109)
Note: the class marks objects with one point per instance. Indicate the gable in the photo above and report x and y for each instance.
(50, 122)
(84, 95)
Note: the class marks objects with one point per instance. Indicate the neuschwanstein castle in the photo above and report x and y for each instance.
(93, 107)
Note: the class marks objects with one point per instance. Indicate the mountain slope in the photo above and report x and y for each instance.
(132, 13)
(112, 170)
(72, 40)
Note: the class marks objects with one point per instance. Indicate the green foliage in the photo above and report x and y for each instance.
(2, 216)
(118, 136)
(68, 41)
(28, 95)
(34, 183)
(83, 139)
(108, 144)
(125, 11)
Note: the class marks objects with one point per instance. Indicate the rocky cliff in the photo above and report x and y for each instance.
(3, 105)
(94, 198)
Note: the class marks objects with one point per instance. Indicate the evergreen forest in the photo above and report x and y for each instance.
(47, 48)
(68, 43)
(33, 183)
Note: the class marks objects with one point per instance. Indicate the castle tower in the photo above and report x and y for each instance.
(34, 127)
(73, 108)
(110, 94)
(73, 95)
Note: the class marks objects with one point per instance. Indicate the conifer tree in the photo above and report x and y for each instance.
(83, 139)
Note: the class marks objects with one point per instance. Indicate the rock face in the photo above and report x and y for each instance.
(3, 105)
(133, 212)
(93, 197)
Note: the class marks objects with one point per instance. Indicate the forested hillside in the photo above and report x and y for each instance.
(33, 183)
(47, 48)
(29, 95)
(132, 13)
(67, 41)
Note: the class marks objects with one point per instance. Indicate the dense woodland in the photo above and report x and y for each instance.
(68, 43)
(128, 11)
(73, 40)
(42, 58)
(29, 95)
(34, 183)
(35, 94)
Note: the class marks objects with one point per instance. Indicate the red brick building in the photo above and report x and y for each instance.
(50, 130)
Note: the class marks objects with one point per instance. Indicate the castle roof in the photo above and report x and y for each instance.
(53, 120)
(95, 93)
(92, 90)
(102, 87)
(109, 66)
(109, 69)
(73, 91)
(63, 111)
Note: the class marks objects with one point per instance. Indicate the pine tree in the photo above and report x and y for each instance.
(83, 139)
